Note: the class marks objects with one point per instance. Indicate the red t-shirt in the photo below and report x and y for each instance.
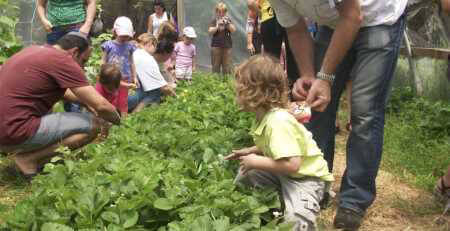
(112, 97)
(31, 82)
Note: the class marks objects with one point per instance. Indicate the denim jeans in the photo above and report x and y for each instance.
(59, 31)
(146, 97)
(370, 64)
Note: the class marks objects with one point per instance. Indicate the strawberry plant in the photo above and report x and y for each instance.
(163, 169)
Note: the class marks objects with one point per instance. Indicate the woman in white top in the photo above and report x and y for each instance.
(156, 19)
(152, 83)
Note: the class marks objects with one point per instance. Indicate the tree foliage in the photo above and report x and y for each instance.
(8, 19)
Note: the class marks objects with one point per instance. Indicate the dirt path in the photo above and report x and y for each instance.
(398, 206)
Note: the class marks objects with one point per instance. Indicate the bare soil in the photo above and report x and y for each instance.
(398, 206)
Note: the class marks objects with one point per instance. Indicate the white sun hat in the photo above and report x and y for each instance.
(123, 26)
(189, 32)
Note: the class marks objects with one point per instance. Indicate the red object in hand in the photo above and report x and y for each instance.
(300, 111)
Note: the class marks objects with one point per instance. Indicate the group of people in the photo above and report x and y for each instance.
(36, 78)
(356, 40)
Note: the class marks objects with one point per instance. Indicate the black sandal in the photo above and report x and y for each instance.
(12, 170)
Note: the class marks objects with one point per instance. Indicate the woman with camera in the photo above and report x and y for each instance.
(220, 29)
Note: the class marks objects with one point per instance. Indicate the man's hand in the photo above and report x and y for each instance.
(302, 87)
(319, 95)
(47, 25)
(85, 29)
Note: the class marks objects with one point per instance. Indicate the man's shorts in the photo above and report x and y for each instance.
(53, 129)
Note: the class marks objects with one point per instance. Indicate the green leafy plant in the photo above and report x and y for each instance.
(163, 169)
(8, 19)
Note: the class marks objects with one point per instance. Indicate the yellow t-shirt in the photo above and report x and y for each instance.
(279, 135)
(266, 10)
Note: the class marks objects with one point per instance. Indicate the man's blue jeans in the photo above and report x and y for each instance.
(370, 64)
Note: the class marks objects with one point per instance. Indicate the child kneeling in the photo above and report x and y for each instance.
(285, 156)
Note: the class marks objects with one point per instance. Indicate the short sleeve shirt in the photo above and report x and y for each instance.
(120, 54)
(324, 12)
(66, 12)
(221, 38)
(184, 55)
(147, 70)
(279, 135)
(31, 82)
(112, 97)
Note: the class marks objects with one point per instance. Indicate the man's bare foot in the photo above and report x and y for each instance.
(25, 165)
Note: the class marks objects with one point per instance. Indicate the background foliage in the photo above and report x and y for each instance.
(9, 44)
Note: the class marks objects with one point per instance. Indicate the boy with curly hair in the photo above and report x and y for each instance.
(285, 156)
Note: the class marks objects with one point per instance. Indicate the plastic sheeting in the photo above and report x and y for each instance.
(199, 15)
(29, 28)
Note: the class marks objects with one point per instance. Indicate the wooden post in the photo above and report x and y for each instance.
(180, 15)
(412, 66)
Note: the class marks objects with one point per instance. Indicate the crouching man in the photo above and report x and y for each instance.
(31, 82)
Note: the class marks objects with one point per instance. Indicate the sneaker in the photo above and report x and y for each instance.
(347, 219)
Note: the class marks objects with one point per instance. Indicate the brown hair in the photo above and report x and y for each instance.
(145, 39)
(110, 74)
(261, 83)
(167, 31)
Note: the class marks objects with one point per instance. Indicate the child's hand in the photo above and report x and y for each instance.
(249, 162)
(131, 86)
(235, 154)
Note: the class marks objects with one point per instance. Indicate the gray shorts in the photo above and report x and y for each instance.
(300, 197)
(53, 129)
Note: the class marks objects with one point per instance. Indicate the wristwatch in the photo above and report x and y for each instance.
(327, 77)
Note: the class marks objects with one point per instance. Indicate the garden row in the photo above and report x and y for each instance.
(162, 169)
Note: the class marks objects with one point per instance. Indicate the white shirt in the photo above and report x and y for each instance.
(147, 70)
(157, 22)
(375, 12)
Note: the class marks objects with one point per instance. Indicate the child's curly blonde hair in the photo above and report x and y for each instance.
(261, 84)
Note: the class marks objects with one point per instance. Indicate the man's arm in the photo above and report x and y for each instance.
(350, 20)
(89, 96)
(302, 46)
(90, 16)
(69, 96)
(40, 7)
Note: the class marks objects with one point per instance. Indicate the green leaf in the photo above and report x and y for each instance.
(55, 227)
(7, 21)
(111, 217)
(163, 204)
(208, 155)
(222, 224)
(131, 218)
(261, 209)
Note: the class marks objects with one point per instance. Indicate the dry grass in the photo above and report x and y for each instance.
(398, 206)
